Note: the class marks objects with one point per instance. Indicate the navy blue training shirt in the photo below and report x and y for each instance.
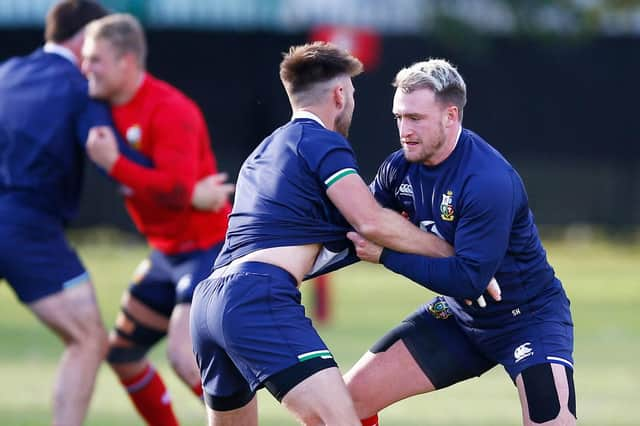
(45, 117)
(280, 197)
(476, 201)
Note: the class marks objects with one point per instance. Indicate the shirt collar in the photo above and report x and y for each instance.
(309, 115)
(58, 49)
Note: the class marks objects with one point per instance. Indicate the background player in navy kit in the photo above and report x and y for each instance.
(453, 184)
(45, 116)
(248, 327)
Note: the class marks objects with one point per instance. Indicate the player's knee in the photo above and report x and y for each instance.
(91, 337)
(117, 355)
(132, 345)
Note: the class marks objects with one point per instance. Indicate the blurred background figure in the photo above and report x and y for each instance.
(168, 128)
(45, 116)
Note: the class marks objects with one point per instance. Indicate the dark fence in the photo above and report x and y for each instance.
(564, 112)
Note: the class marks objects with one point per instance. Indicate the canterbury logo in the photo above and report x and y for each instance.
(406, 189)
(523, 351)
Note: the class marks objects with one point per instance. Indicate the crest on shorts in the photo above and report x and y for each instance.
(439, 308)
(141, 271)
(446, 207)
(134, 136)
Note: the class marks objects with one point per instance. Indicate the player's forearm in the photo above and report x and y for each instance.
(395, 232)
(445, 276)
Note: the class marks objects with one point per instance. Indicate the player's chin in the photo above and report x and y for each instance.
(97, 92)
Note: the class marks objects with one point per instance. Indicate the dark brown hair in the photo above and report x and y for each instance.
(68, 17)
(316, 62)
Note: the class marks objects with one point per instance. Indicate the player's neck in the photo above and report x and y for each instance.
(129, 90)
(328, 120)
(451, 141)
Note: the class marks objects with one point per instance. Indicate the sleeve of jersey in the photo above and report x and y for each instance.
(174, 132)
(481, 241)
(97, 113)
(330, 159)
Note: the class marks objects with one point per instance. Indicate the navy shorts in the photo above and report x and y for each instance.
(249, 324)
(449, 352)
(36, 258)
(162, 281)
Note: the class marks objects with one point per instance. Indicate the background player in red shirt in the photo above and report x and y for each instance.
(167, 127)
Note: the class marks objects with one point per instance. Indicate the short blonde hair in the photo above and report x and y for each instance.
(124, 32)
(438, 75)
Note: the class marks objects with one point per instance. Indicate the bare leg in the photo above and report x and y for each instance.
(322, 399)
(179, 347)
(564, 418)
(244, 416)
(379, 380)
(73, 314)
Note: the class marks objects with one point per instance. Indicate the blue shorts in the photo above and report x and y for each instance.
(162, 281)
(249, 324)
(449, 352)
(36, 258)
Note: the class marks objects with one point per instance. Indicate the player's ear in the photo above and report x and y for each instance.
(338, 95)
(451, 115)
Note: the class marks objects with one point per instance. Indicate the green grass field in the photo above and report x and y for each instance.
(602, 280)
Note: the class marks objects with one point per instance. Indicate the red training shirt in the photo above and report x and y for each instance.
(166, 126)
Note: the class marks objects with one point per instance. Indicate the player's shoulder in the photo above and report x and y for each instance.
(480, 155)
(170, 99)
(396, 158)
(395, 163)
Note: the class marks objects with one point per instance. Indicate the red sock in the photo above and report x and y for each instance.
(150, 396)
(197, 390)
(371, 421)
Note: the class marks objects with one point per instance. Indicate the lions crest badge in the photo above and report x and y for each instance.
(439, 308)
(446, 207)
(134, 136)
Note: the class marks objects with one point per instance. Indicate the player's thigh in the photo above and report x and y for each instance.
(37, 260)
(246, 415)
(547, 395)
(322, 396)
(427, 351)
(72, 313)
(47, 275)
(378, 380)
(179, 334)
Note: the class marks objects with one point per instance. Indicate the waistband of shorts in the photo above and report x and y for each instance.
(256, 268)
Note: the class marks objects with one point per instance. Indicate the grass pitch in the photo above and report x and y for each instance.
(602, 281)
